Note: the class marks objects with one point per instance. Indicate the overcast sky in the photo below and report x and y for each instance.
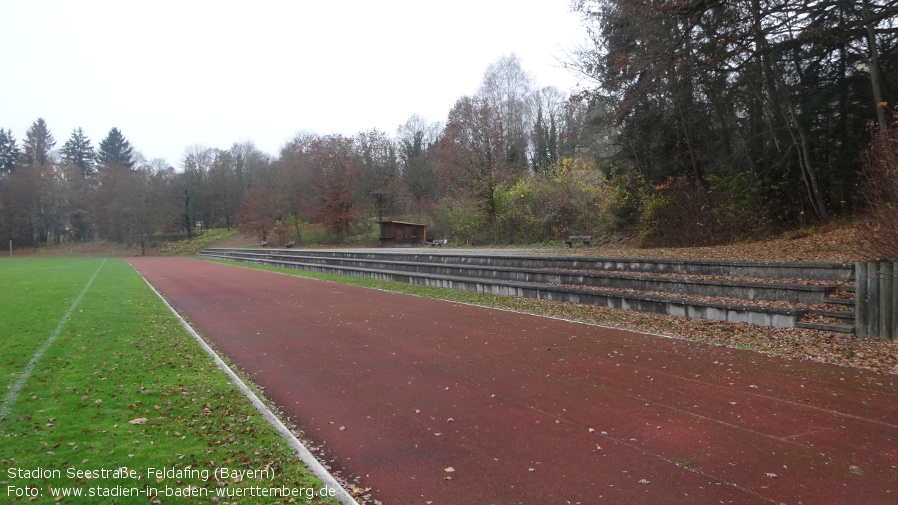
(171, 74)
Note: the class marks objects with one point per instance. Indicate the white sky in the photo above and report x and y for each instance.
(171, 74)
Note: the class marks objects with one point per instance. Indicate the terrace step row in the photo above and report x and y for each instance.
(769, 294)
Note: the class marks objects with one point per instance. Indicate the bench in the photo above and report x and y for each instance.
(584, 239)
(441, 242)
(289, 244)
(263, 243)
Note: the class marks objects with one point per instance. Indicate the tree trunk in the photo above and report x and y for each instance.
(873, 64)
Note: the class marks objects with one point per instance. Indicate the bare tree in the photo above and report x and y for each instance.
(224, 190)
(258, 213)
(549, 102)
(508, 89)
(418, 153)
(195, 165)
(336, 168)
(380, 183)
(474, 155)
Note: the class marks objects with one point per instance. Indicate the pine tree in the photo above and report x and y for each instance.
(38, 144)
(9, 152)
(78, 151)
(541, 152)
(116, 150)
(553, 141)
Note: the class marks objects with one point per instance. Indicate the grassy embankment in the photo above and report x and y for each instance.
(122, 386)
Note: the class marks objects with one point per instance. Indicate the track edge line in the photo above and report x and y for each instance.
(304, 454)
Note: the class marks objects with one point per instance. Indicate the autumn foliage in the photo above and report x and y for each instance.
(699, 123)
(879, 191)
(258, 213)
(685, 212)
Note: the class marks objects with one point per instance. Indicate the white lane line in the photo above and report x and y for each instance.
(304, 455)
(23, 378)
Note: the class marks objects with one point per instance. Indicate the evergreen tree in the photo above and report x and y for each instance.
(9, 152)
(541, 153)
(116, 150)
(78, 151)
(553, 141)
(39, 142)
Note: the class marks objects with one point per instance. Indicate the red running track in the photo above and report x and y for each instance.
(533, 410)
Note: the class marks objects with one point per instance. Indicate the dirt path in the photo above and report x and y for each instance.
(523, 409)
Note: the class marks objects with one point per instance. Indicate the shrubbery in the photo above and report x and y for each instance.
(532, 210)
(461, 221)
(685, 212)
(196, 244)
(878, 239)
(301, 233)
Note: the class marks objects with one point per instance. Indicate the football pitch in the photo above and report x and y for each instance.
(107, 398)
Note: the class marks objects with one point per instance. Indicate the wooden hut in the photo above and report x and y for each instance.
(402, 234)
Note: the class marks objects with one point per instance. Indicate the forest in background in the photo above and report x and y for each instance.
(707, 122)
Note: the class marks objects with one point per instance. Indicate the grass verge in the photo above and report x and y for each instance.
(124, 387)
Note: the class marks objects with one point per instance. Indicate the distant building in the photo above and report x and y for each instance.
(401, 234)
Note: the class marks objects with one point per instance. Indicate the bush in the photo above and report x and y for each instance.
(465, 222)
(878, 190)
(289, 229)
(566, 207)
(365, 232)
(685, 212)
(538, 209)
(514, 214)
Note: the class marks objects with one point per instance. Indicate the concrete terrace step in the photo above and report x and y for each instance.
(643, 303)
(772, 291)
(529, 276)
(773, 270)
(835, 328)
